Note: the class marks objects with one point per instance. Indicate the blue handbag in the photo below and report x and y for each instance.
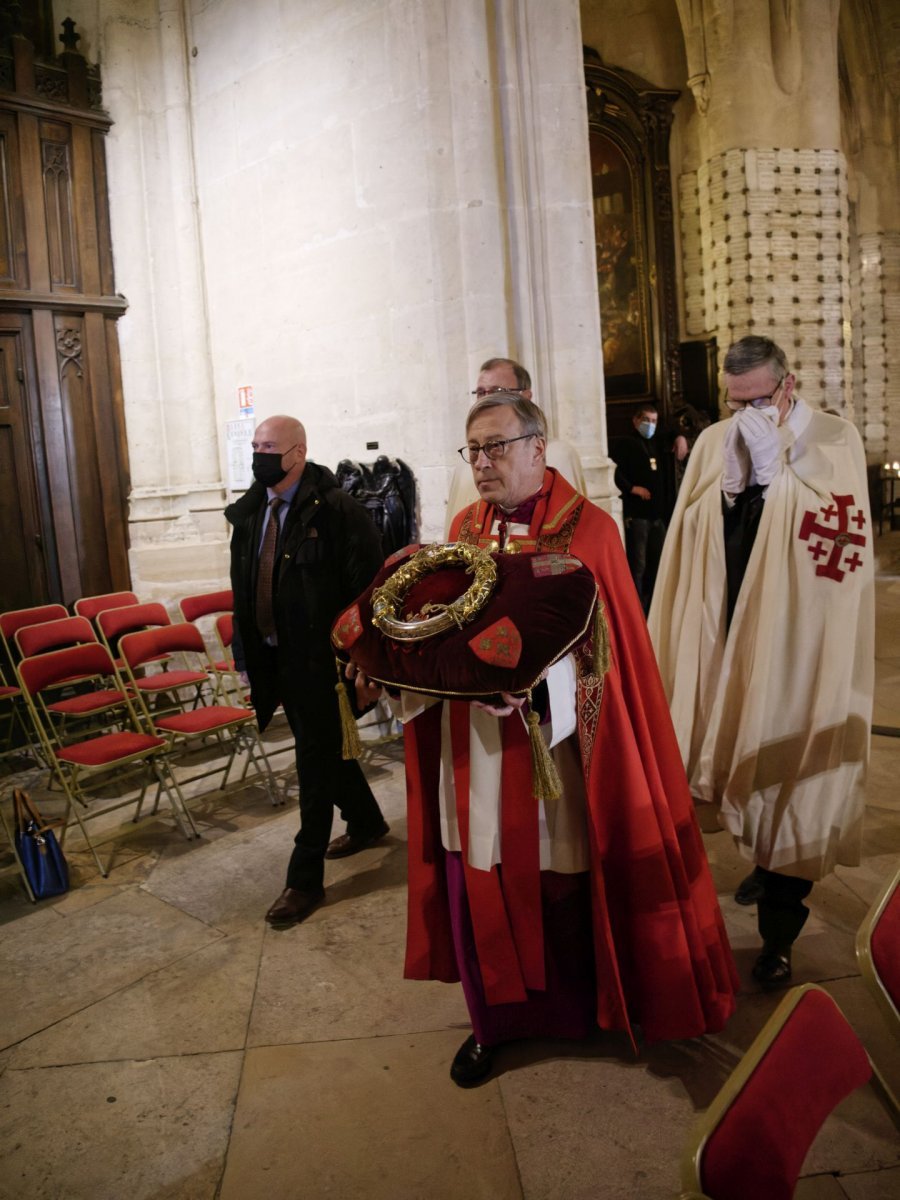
(38, 851)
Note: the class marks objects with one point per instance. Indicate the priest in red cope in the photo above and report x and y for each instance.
(594, 909)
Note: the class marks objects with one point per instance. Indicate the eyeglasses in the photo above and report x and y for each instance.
(495, 391)
(494, 448)
(759, 402)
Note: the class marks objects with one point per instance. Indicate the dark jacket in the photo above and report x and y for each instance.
(634, 457)
(328, 553)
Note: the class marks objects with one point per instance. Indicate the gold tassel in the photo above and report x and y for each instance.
(601, 641)
(351, 745)
(545, 778)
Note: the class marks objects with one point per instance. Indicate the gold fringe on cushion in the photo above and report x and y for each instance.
(601, 641)
(351, 745)
(547, 785)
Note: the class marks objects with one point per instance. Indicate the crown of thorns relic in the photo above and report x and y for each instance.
(457, 621)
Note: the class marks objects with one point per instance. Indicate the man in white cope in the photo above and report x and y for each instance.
(763, 621)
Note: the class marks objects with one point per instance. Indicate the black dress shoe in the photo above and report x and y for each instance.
(750, 889)
(293, 906)
(473, 1062)
(346, 844)
(773, 967)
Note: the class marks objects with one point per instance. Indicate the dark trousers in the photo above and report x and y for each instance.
(326, 780)
(643, 546)
(781, 913)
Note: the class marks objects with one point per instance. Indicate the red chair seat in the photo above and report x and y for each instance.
(110, 748)
(165, 681)
(90, 702)
(9, 691)
(204, 720)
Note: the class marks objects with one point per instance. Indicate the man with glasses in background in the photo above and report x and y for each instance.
(763, 624)
(510, 377)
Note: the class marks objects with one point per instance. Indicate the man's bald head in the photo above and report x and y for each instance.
(285, 437)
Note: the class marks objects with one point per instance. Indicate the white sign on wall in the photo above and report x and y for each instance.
(238, 436)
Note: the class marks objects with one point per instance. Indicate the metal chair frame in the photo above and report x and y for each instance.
(887, 899)
(121, 751)
(231, 728)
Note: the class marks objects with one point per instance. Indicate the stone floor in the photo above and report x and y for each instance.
(159, 1041)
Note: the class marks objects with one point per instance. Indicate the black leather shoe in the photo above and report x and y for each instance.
(346, 845)
(750, 889)
(773, 967)
(473, 1062)
(293, 906)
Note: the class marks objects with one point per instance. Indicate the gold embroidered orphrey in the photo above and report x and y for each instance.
(434, 618)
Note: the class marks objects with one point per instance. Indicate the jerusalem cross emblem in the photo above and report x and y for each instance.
(828, 534)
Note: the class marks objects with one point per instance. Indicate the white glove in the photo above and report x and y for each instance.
(766, 441)
(736, 472)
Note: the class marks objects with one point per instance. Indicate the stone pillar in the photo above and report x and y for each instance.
(177, 494)
(525, 245)
(764, 218)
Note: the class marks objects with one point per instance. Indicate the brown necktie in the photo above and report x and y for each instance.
(265, 618)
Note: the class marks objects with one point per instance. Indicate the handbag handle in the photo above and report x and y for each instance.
(25, 812)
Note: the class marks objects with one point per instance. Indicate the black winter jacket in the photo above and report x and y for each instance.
(328, 553)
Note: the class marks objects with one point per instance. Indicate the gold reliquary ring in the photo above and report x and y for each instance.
(434, 618)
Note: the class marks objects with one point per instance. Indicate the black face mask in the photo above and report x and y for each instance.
(267, 468)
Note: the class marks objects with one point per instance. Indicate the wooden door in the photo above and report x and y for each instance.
(23, 567)
(63, 458)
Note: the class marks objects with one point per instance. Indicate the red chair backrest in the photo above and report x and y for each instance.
(113, 622)
(885, 943)
(90, 606)
(139, 648)
(203, 605)
(225, 629)
(67, 631)
(64, 666)
(16, 619)
(758, 1147)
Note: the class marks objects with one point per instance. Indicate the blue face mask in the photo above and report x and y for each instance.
(647, 429)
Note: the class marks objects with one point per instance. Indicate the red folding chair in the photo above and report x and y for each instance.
(53, 635)
(218, 605)
(230, 728)
(109, 754)
(16, 619)
(753, 1138)
(114, 623)
(878, 951)
(91, 606)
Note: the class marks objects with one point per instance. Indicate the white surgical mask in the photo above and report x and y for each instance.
(647, 429)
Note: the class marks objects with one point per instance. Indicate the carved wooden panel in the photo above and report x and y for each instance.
(56, 169)
(13, 263)
(629, 122)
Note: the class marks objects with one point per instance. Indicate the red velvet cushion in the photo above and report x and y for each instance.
(541, 605)
(757, 1149)
(88, 702)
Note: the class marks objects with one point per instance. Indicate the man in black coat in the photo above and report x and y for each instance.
(639, 477)
(322, 551)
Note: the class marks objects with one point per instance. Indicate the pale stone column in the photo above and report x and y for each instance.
(177, 493)
(526, 230)
(764, 219)
(554, 278)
